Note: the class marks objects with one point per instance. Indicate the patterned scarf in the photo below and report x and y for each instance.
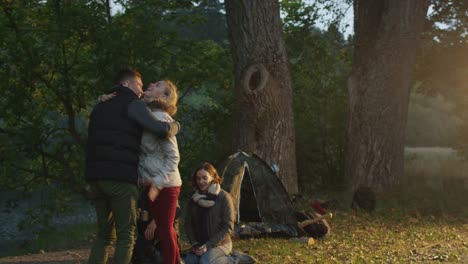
(207, 199)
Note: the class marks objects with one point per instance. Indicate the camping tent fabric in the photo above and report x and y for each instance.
(258, 194)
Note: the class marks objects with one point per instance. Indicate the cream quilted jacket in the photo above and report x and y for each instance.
(159, 158)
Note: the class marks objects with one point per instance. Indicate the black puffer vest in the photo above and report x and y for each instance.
(113, 140)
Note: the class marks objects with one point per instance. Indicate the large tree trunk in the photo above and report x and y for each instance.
(263, 93)
(386, 41)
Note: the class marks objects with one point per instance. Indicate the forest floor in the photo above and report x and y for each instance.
(390, 237)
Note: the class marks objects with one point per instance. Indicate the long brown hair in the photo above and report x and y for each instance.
(208, 168)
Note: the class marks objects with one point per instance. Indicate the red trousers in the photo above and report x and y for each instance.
(164, 210)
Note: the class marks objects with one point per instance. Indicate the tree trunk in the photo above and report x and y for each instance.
(263, 93)
(386, 41)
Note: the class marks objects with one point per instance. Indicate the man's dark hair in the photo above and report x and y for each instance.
(126, 74)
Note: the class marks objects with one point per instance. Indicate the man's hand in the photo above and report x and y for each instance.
(149, 232)
(174, 128)
(105, 97)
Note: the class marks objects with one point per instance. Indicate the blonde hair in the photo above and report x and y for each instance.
(168, 103)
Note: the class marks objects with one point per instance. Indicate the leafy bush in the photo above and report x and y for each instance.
(319, 68)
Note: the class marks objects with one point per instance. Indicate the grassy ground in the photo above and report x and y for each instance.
(372, 239)
(389, 237)
(412, 224)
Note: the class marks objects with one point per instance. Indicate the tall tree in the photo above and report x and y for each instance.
(262, 89)
(386, 41)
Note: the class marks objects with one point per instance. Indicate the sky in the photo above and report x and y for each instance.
(346, 24)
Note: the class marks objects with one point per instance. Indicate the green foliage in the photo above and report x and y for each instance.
(45, 67)
(442, 68)
(299, 16)
(448, 22)
(56, 57)
(205, 117)
(319, 63)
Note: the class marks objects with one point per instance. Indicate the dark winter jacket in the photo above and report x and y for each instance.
(220, 221)
(114, 135)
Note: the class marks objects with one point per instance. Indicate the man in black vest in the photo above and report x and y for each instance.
(114, 135)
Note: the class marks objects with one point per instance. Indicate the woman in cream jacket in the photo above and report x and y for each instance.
(158, 166)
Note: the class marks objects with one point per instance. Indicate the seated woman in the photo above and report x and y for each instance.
(210, 219)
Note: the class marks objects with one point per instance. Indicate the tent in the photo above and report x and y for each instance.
(259, 197)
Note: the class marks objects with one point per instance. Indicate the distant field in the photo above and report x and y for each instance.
(436, 166)
(431, 152)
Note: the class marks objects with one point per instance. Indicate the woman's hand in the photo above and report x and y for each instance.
(149, 232)
(200, 251)
(153, 193)
(105, 97)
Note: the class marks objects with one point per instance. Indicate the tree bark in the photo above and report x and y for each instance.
(263, 92)
(386, 41)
